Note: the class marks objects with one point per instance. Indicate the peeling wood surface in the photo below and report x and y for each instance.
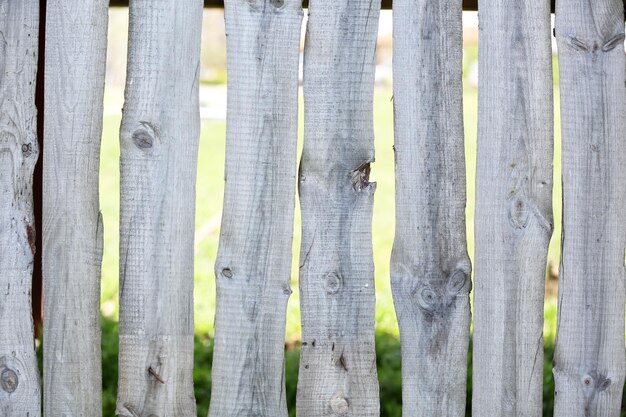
(76, 40)
(513, 222)
(253, 266)
(430, 267)
(589, 357)
(159, 143)
(19, 378)
(338, 361)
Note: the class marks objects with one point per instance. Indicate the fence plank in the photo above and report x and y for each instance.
(76, 39)
(589, 358)
(513, 206)
(338, 363)
(253, 265)
(430, 267)
(159, 142)
(19, 378)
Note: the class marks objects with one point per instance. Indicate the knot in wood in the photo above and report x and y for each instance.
(360, 177)
(457, 281)
(27, 149)
(332, 283)
(604, 384)
(143, 139)
(427, 298)
(519, 213)
(8, 380)
(339, 405)
(227, 272)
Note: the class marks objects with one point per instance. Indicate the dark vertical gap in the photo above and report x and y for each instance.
(37, 293)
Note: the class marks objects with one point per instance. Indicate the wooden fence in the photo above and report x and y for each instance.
(430, 267)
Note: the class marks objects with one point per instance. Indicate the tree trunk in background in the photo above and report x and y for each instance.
(430, 265)
(253, 265)
(338, 360)
(159, 143)
(589, 358)
(19, 378)
(76, 41)
(513, 206)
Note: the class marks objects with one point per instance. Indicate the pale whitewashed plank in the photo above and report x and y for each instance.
(159, 143)
(513, 206)
(253, 265)
(589, 361)
(76, 40)
(430, 267)
(19, 378)
(338, 361)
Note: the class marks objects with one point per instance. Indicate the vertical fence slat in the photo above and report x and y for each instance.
(76, 40)
(253, 266)
(430, 267)
(589, 358)
(513, 206)
(159, 142)
(19, 377)
(338, 362)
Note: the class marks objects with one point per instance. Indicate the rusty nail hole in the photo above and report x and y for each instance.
(30, 235)
(155, 375)
(343, 363)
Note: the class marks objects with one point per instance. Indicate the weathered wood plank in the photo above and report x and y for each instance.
(253, 265)
(159, 142)
(513, 206)
(76, 41)
(338, 360)
(19, 378)
(430, 267)
(589, 357)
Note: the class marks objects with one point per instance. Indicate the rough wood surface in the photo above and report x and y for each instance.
(589, 358)
(19, 378)
(430, 267)
(513, 206)
(338, 361)
(159, 143)
(253, 265)
(76, 40)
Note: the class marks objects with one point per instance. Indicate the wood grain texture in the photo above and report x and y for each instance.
(589, 361)
(19, 378)
(430, 267)
(338, 361)
(253, 264)
(76, 41)
(513, 222)
(159, 143)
